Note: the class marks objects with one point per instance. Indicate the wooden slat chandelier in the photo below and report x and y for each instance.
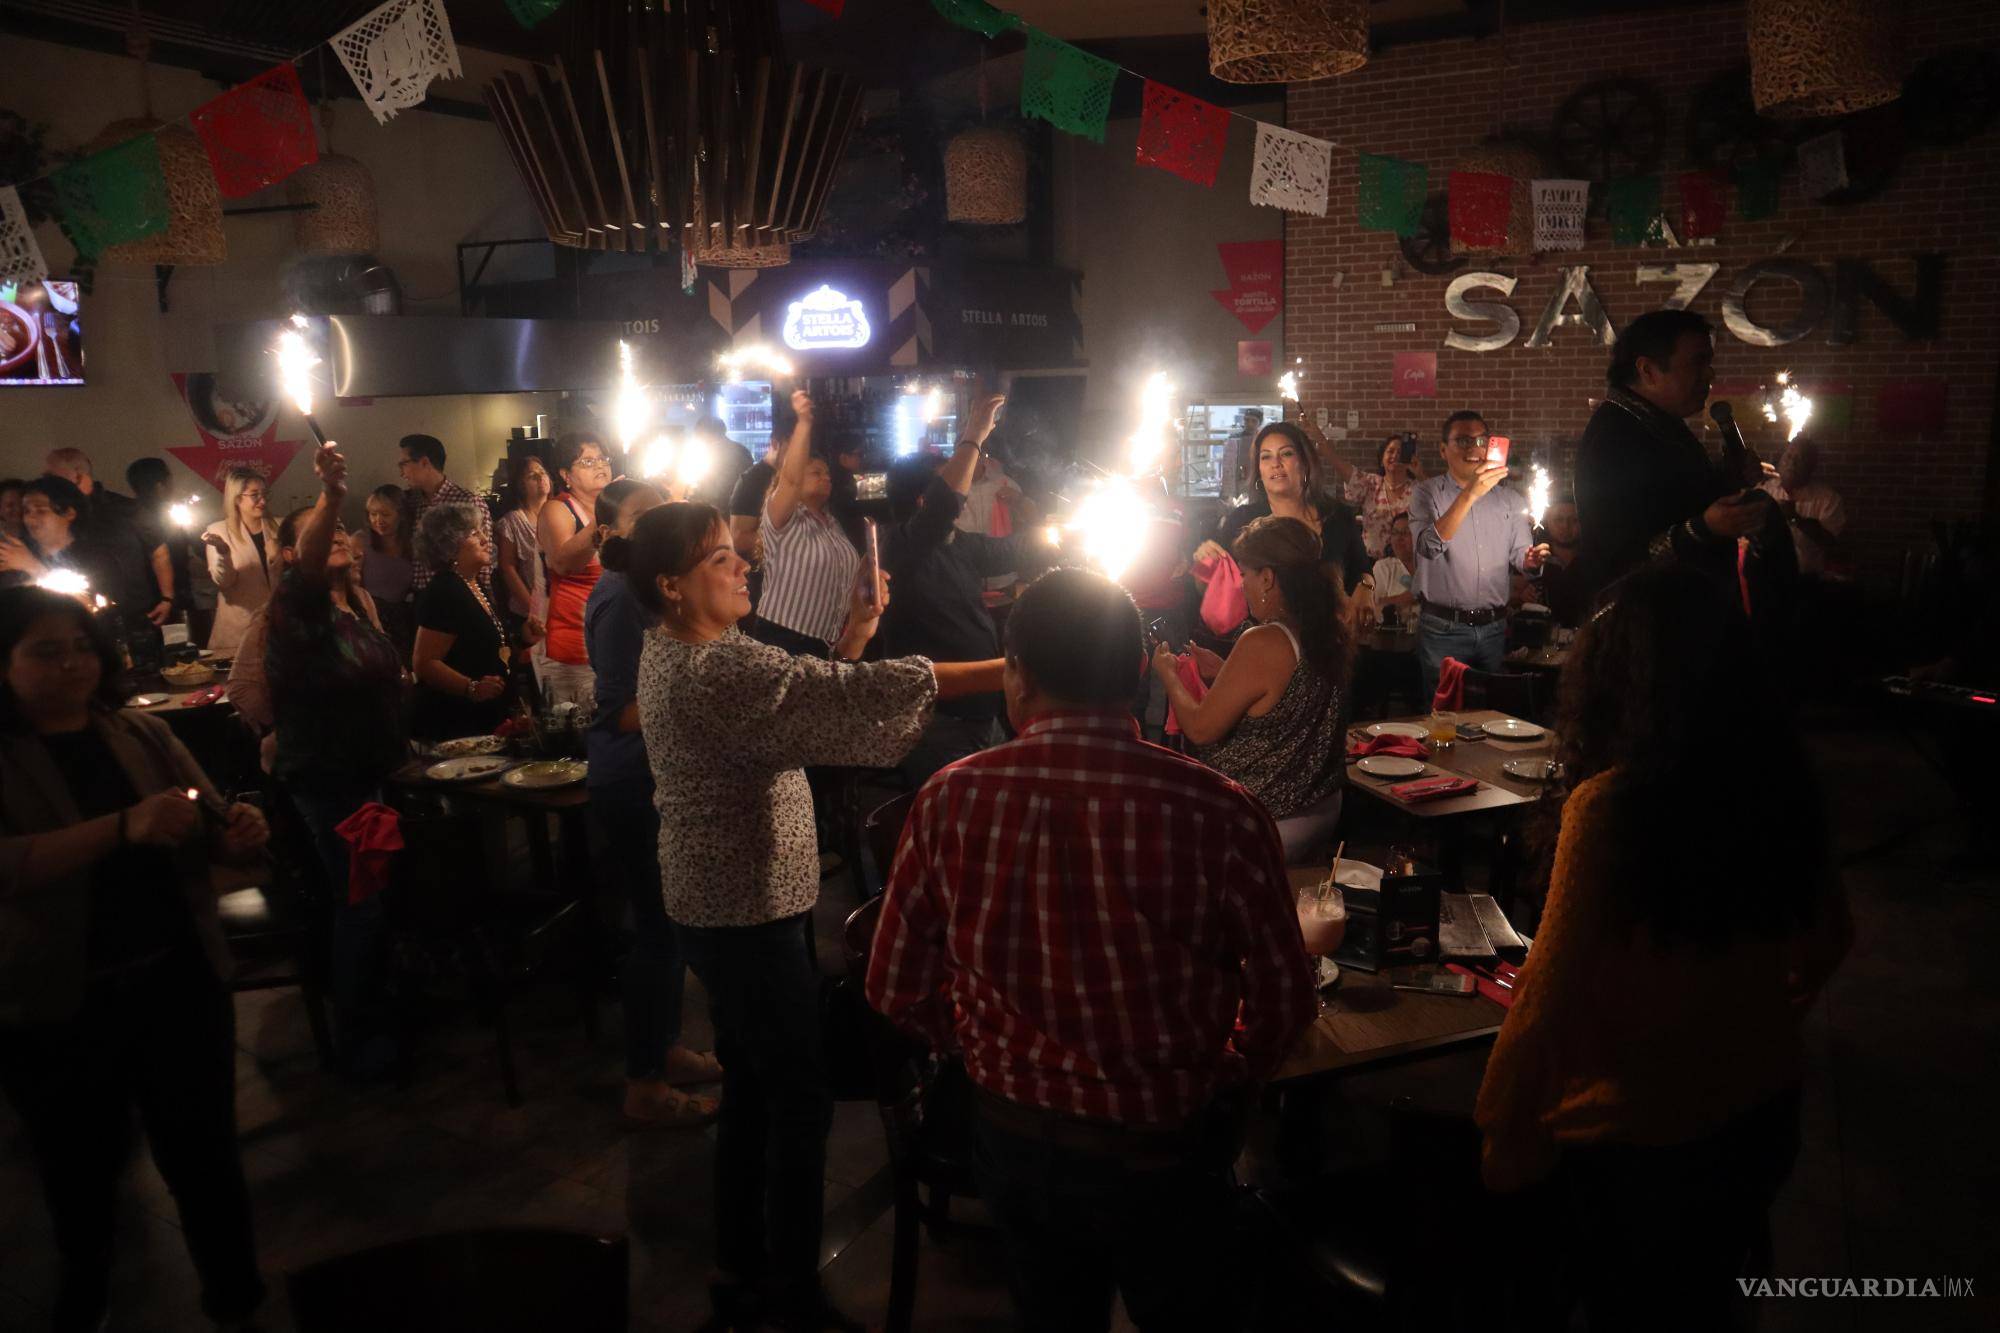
(663, 123)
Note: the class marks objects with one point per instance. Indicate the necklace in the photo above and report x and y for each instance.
(487, 607)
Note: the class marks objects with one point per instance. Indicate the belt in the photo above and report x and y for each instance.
(1488, 616)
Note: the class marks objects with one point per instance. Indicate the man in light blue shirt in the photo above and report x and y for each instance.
(1469, 540)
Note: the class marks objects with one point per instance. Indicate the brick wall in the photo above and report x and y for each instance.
(1431, 102)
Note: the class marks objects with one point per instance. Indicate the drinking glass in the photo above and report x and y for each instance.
(1444, 729)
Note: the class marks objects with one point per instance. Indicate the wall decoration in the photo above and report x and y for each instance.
(234, 432)
(1520, 163)
(1726, 132)
(1756, 190)
(1068, 88)
(1560, 206)
(1911, 407)
(1429, 249)
(833, 7)
(343, 220)
(1291, 171)
(1873, 144)
(1480, 203)
(1703, 205)
(1813, 301)
(1589, 312)
(194, 232)
(1414, 375)
(257, 133)
(1823, 165)
(20, 257)
(1256, 288)
(1916, 318)
(1824, 57)
(1633, 205)
(528, 13)
(1688, 280)
(115, 195)
(1286, 41)
(977, 15)
(986, 177)
(1253, 358)
(1506, 323)
(1180, 134)
(1610, 128)
(393, 52)
(1390, 195)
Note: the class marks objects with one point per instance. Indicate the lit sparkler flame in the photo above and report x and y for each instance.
(753, 356)
(933, 406)
(1155, 423)
(1288, 383)
(632, 409)
(295, 363)
(1794, 407)
(99, 601)
(1112, 520)
(658, 458)
(1538, 495)
(181, 515)
(695, 461)
(64, 581)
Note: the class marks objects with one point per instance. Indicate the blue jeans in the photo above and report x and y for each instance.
(1481, 647)
(655, 974)
(770, 1143)
(360, 943)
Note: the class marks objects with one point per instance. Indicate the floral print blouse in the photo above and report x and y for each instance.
(1378, 505)
(730, 726)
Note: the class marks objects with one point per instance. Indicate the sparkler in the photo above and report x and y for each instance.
(1288, 383)
(694, 463)
(753, 356)
(1155, 421)
(658, 457)
(1112, 519)
(64, 581)
(632, 409)
(181, 513)
(1538, 495)
(295, 363)
(933, 406)
(1793, 407)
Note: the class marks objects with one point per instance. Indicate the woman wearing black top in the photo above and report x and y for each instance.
(112, 958)
(1287, 485)
(460, 656)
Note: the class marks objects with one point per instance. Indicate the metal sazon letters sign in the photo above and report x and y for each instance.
(1835, 302)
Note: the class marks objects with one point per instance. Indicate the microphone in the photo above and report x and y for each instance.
(1724, 416)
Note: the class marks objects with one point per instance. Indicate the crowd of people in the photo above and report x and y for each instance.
(1099, 928)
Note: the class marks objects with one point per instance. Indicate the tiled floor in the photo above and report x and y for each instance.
(1898, 1176)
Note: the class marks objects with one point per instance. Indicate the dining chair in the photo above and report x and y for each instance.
(501, 1280)
(1518, 694)
(881, 830)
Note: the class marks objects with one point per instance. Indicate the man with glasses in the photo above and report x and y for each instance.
(422, 469)
(1468, 542)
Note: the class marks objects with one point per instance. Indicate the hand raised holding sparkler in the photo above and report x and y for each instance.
(331, 467)
(985, 413)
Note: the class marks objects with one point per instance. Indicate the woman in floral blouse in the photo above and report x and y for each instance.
(730, 725)
(1379, 495)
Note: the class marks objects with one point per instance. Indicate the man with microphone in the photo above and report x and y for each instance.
(1646, 489)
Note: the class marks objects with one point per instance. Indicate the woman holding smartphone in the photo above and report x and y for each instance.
(1378, 496)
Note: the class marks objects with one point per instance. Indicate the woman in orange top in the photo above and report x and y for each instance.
(569, 537)
(1650, 1065)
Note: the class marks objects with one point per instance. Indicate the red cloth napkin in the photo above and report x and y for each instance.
(207, 694)
(1401, 747)
(1001, 524)
(1223, 605)
(1190, 677)
(373, 835)
(1432, 789)
(1450, 695)
(1500, 995)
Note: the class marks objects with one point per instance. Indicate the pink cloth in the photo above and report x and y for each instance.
(1191, 677)
(1433, 789)
(1223, 605)
(1402, 747)
(373, 835)
(1450, 695)
(1001, 523)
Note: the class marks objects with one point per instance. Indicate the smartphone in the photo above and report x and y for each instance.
(1496, 450)
(871, 485)
(1159, 632)
(1407, 450)
(1433, 981)
(874, 564)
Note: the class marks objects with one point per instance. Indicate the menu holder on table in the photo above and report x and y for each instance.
(1393, 925)
(1459, 932)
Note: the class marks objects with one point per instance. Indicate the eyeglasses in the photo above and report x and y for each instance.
(1468, 441)
(592, 463)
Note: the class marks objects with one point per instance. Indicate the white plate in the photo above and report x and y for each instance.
(1412, 730)
(147, 700)
(1530, 770)
(1513, 729)
(467, 768)
(547, 773)
(1390, 766)
(466, 745)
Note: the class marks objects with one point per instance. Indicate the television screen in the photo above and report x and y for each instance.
(41, 333)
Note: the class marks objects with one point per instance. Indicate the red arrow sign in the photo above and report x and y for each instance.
(1256, 291)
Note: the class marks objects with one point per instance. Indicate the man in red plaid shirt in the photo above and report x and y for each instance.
(1104, 931)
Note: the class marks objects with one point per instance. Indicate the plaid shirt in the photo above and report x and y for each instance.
(449, 492)
(1109, 922)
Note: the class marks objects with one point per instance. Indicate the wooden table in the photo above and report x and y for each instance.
(1367, 1024)
(1478, 760)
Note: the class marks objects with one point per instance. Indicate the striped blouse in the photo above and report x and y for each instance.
(809, 573)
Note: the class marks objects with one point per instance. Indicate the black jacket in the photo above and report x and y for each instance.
(1340, 541)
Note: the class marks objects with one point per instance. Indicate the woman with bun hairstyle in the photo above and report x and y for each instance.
(657, 1066)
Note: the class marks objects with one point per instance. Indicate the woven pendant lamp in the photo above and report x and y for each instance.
(344, 221)
(714, 254)
(985, 177)
(1523, 165)
(194, 206)
(1286, 41)
(1813, 58)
